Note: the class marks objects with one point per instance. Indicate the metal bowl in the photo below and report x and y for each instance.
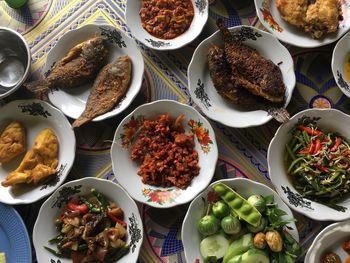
(15, 60)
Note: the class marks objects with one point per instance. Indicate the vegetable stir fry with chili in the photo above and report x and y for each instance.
(91, 229)
(319, 164)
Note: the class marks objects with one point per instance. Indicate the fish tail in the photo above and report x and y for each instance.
(80, 121)
(226, 34)
(279, 114)
(39, 87)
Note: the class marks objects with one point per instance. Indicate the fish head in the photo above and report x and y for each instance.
(95, 49)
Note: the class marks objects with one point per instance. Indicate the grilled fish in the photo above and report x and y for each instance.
(109, 88)
(78, 67)
(229, 86)
(260, 76)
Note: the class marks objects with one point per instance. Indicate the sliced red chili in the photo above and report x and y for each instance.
(335, 147)
(312, 147)
(82, 208)
(117, 220)
(304, 151)
(322, 168)
(309, 130)
(317, 146)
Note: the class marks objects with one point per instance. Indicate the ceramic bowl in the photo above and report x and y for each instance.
(15, 61)
(330, 120)
(330, 239)
(213, 105)
(270, 17)
(126, 170)
(340, 57)
(44, 228)
(72, 102)
(36, 115)
(190, 236)
(133, 21)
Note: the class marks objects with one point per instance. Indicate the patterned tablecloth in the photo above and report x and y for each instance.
(242, 151)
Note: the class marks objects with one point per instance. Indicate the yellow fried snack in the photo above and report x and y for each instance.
(39, 162)
(12, 142)
(2, 257)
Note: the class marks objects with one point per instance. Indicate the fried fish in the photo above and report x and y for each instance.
(109, 88)
(228, 85)
(39, 162)
(79, 66)
(12, 142)
(260, 76)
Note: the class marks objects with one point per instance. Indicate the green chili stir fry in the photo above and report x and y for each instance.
(319, 164)
(90, 229)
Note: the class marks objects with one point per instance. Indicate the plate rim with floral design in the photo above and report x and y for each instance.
(163, 197)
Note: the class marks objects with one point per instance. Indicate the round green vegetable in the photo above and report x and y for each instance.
(231, 225)
(208, 225)
(260, 227)
(258, 201)
(220, 209)
(214, 245)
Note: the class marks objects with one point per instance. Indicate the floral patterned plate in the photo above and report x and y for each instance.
(202, 89)
(36, 115)
(72, 101)
(44, 228)
(133, 21)
(125, 169)
(270, 17)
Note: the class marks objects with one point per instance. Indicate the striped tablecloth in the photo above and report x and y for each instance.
(242, 151)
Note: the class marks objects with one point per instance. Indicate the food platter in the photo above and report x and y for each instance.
(14, 239)
(36, 115)
(216, 107)
(270, 17)
(164, 197)
(72, 102)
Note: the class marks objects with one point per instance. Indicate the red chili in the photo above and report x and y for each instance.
(82, 208)
(117, 220)
(335, 147)
(322, 168)
(346, 153)
(304, 151)
(318, 146)
(312, 147)
(309, 130)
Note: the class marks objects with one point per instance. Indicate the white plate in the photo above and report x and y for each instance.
(190, 236)
(72, 102)
(44, 228)
(202, 89)
(126, 170)
(331, 120)
(36, 115)
(329, 239)
(293, 35)
(134, 23)
(341, 53)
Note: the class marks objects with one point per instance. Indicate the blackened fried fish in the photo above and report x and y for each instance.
(229, 86)
(79, 66)
(109, 88)
(260, 76)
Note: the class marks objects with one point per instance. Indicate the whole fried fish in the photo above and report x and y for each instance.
(109, 88)
(260, 76)
(229, 86)
(78, 67)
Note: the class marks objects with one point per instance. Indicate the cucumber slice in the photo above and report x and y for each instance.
(214, 245)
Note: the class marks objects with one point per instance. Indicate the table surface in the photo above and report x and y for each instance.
(243, 152)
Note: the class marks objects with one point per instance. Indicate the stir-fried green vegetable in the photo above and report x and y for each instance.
(319, 164)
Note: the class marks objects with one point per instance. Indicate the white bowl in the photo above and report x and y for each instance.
(293, 35)
(133, 21)
(190, 236)
(329, 239)
(125, 169)
(44, 228)
(213, 105)
(330, 119)
(36, 115)
(341, 52)
(72, 102)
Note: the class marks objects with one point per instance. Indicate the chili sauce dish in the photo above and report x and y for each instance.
(166, 24)
(309, 164)
(239, 220)
(88, 220)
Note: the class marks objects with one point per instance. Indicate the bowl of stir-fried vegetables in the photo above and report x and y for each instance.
(309, 163)
(88, 220)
